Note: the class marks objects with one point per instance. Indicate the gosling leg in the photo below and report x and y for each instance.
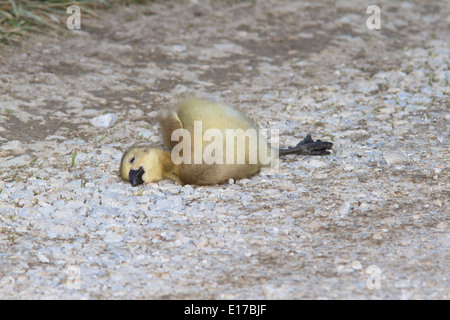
(308, 147)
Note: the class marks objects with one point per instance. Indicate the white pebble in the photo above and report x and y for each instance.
(113, 237)
(42, 258)
(315, 163)
(14, 145)
(344, 209)
(395, 157)
(106, 120)
(356, 265)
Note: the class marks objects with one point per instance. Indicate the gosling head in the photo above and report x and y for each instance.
(142, 165)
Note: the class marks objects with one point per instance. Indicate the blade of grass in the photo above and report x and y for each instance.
(74, 155)
(38, 19)
(14, 8)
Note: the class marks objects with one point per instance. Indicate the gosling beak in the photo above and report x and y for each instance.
(135, 176)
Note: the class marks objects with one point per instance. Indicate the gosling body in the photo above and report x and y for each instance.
(145, 164)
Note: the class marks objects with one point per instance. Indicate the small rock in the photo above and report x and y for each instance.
(437, 202)
(341, 268)
(55, 137)
(144, 133)
(106, 120)
(315, 163)
(202, 243)
(441, 138)
(441, 225)
(173, 203)
(17, 161)
(42, 258)
(377, 236)
(403, 284)
(246, 199)
(14, 146)
(395, 157)
(113, 237)
(60, 232)
(344, 209)
(275, 291)
(356, 265)
(179, 48)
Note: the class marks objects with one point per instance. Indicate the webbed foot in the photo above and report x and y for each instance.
(308, 147)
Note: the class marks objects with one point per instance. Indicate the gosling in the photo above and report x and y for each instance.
(197, 160)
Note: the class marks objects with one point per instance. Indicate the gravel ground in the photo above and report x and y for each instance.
(369, 221)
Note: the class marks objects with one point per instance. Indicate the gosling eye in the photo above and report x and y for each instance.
(132, 160)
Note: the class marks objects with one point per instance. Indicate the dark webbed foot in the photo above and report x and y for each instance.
(309, 147)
